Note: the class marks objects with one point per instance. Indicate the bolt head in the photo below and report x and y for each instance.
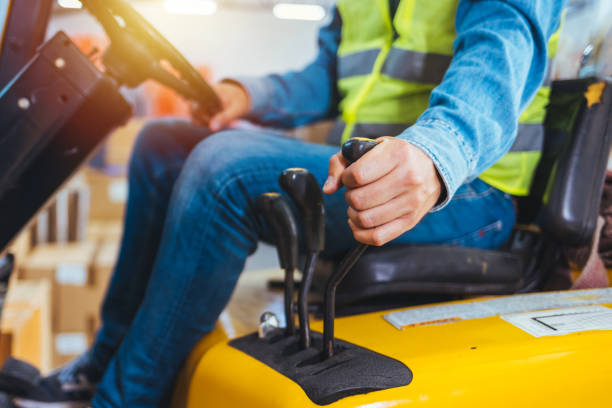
(268, 323)
(24, 103)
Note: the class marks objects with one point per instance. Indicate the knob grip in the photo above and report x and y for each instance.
(278, 214)
(306, 193)
(354, 148)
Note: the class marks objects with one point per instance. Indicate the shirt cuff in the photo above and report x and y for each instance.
(259, 94)
(443, 146)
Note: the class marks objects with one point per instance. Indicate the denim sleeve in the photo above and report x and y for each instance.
(298, 98)
(499, 63)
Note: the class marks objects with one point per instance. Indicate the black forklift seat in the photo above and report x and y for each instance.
(560, 211)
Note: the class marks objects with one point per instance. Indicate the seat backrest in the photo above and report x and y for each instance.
(568, 184)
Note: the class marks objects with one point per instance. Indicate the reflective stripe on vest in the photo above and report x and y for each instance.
(530, 136)
(385, 79)
(405, 65)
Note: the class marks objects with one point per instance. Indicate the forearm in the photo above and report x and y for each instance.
(499, 63)
(297, 98)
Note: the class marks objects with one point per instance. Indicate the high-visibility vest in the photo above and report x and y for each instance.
(387, 69)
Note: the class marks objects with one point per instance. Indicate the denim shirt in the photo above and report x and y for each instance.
(499, 62)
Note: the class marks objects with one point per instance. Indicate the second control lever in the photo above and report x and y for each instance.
(279, 216)
(306, 193)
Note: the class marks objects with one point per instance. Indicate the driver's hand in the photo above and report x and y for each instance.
(388, 190)
(236, 104)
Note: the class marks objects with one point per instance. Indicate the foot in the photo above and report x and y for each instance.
(71, 386)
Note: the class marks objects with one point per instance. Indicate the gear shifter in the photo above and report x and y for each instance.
(306, 193)
(352, 150)
(277, 213)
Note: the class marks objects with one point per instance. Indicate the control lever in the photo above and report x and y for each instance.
(352, 150)
(306, 193)
(277, 213)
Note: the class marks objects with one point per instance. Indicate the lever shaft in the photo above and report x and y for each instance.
(352, 150)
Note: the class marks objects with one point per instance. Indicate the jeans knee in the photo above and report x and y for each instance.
(164, 143)
(150, 140)
(219, 156)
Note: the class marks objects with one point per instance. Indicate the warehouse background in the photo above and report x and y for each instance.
(66, 256)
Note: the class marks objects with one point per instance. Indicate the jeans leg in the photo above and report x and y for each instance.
(211, 228)
(159, 154)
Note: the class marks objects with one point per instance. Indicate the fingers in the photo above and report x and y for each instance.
(383, 190)
(376, 163)
(385, 233)
(222, 119)
(199, 116)
(337, 165)
(235, 102)
(402, 206)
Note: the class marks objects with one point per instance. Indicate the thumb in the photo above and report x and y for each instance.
(337, 165)
(225, 117)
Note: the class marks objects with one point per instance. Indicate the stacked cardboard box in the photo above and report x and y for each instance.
(26, 324)
(120, 144)
(74, 294)
(65, 218)
(108, 195)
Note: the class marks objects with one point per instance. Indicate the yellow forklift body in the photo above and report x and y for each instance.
(466, 363)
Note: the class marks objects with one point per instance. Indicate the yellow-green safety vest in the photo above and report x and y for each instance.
(387, 70)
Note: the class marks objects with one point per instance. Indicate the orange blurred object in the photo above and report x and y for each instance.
(166, 102)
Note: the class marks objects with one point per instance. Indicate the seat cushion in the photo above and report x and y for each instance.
(432, 269)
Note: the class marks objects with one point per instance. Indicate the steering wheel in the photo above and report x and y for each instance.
(139, 52)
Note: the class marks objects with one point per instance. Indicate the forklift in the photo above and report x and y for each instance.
(501, 341)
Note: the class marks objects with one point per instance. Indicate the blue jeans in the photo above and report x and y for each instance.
(191, 224)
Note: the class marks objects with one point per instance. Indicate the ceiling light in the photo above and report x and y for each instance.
(293, 11)
(200, 7)
(71, 4)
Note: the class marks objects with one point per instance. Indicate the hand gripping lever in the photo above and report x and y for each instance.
(306, 193)
(278, 215)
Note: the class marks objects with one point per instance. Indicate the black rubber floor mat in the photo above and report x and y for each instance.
(353, 370)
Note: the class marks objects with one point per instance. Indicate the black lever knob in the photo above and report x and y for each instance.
(279, 216)
(354, 148)
(306, 193)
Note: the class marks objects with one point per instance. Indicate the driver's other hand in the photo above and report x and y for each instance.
(388, 190)
(235, 102)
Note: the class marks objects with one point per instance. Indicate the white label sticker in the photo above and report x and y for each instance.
(562, 321)
(492, 307)
(69, 344)
(71, 274)
(118, 191)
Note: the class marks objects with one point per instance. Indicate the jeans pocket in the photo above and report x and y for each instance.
(488, 237)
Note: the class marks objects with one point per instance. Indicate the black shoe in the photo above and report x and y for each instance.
(71, 386)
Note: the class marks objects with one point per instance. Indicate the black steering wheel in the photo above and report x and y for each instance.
(139, 52)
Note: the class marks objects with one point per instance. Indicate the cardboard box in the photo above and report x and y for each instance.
(121, 142)
(21, 247)
(68, 268)
(65, 217)
(78, 274)
(108, 195)
(100, 231)
(26, 328)
(69, 345)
